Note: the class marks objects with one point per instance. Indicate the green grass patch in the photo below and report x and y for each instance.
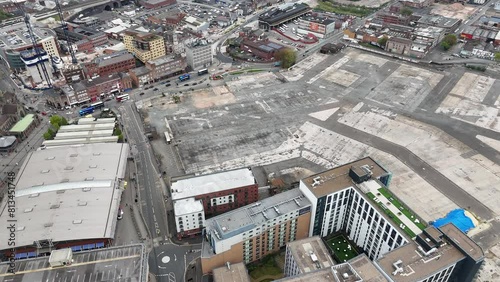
(236, 72)
(401, 207)
(266, 266)
(391, 215)
(338, 8)
(341, 248)
(254, 70)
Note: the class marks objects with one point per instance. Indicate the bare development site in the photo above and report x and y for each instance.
(252, 141)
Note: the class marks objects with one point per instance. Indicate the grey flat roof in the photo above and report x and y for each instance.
(84, 134)
(100, 161)
(365, 268)
(114, 58)
(415, 266)
(96, 120)
(210, 183)
(85, 127)
(322, 275)
(124, 263)
(236, 273)
(15, 36)
(80, 141)
(245, 218)
(63, 212)
(303, 251)
(338, 178)
(462, 241)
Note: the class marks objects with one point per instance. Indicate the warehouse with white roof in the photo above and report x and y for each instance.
(66, 197)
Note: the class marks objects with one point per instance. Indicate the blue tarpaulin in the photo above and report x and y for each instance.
(458, 218)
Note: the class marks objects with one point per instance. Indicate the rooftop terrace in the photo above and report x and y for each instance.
(393, 208)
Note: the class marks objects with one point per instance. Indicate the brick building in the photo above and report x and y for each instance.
(262, 49)
(117, 62)
(218, 192)
(251, 232)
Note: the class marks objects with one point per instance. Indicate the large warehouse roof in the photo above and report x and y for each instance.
(211, 183)
(83, 134)
(67, 193)
(63, 212)
(86, 127)
(104, 161)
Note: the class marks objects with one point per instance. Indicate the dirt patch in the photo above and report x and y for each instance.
(456, 11)
(211, 98)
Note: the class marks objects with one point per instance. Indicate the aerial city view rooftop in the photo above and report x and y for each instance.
(250, 140)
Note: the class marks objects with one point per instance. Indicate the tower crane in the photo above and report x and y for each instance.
(34, 43)
(64, 26)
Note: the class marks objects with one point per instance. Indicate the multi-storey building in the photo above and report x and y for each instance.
(199, 54)
(189, 217)
(231, 273)
(167, 66)
(145, 46)
(437, 255)
(14, 39)
(359, 268)
(33, 60)
(120, 61)
(251, 232)
(319, 26)
(306, 255)
(352, 198)
(219, 192)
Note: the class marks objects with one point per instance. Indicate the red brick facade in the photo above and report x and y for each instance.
(242, 197)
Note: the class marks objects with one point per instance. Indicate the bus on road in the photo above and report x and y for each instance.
(86, 111)
(97, 105)
(203, 71)
(123, 97)
(184, 77)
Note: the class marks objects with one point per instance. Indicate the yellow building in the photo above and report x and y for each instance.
(50, 46)
(144, 46)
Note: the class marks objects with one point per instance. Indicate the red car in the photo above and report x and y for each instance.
(44, 113)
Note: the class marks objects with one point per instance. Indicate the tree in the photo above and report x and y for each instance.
(497, 56)
(448, 41)
(287, 57)
(382, 41)
(117, 132)
(120, 138)
(58, 121)
(406, 11)
(47, 136)
(176, 99)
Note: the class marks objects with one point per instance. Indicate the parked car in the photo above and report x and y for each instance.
(44, 113)
(142, 93)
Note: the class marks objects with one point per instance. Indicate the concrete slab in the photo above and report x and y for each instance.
(473, 87)
(406, 87)
(466, 101)
(324, 115)
(367, 58)
(297, 71)
(493, 143)
(470, 171)
(343, 78)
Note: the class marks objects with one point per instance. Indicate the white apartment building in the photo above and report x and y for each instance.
(306, 255)
(189, 216)
(348, 198)
(199, 54)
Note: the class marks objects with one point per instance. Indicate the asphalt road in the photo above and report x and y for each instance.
(167, 261)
